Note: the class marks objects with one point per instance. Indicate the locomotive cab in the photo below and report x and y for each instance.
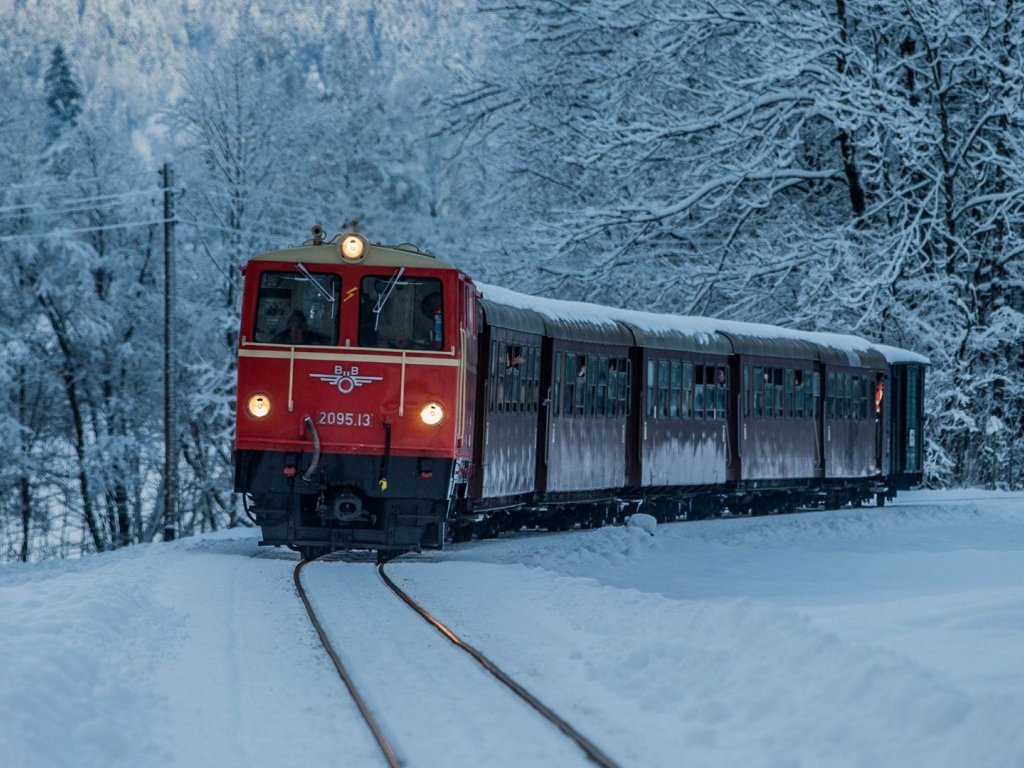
(353, 364)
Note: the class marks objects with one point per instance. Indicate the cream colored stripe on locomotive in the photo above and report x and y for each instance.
(343, 357)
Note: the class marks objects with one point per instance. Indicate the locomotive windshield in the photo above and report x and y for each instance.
(401, 312)
(297, 308)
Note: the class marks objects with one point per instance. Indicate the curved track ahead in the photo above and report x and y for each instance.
(592, 752)
(385, 746)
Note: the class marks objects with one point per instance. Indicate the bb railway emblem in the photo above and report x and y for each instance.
(345, 379)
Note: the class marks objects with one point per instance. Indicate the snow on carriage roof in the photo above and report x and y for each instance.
(705, 332)
(900, 355)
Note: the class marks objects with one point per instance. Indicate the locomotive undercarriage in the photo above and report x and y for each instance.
(347, 502)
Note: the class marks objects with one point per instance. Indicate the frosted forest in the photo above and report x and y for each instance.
(851, 167)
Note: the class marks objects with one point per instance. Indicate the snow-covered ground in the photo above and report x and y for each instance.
(869, 637)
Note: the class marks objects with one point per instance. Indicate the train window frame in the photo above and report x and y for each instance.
(273, 303)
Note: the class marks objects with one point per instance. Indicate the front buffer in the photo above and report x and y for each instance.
(348, 501)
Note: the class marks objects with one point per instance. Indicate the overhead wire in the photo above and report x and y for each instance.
(80, 230)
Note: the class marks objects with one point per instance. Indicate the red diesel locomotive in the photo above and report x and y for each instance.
(386, 402)
(354, 365)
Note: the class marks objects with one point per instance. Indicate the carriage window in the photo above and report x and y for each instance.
(623, 390)
(677, 387)
(815, 394)
(650, 389)
(721, 392)
(758, 393)
(830, 396)
(401, 312)
(747, 391)
(297, 308)
(589, 375)
(798, 385)
(556, 396)
(613, 387)
(790, 392)
(496, 385)
(601, 406)
(663, 388)
(698, 392)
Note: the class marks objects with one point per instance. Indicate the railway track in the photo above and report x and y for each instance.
(387, 750)
(586, 748)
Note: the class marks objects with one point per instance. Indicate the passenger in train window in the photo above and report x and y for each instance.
(514, 358)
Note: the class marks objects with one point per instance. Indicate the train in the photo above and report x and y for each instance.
(386, 401)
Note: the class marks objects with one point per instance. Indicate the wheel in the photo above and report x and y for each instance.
(312, 553)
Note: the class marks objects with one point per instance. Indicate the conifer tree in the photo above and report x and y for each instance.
(63, 95)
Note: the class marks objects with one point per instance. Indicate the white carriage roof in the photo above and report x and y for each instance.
(900, 355)
(701, 332)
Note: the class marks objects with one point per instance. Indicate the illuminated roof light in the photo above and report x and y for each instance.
(258, 405)
(432, 414)
(352, 247)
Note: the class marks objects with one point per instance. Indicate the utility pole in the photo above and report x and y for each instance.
(170, 359)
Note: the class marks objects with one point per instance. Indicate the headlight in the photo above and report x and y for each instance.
(258, 405)
(352, 247)
(432, 414)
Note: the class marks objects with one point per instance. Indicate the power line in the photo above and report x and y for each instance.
(62, 232)
(76, 203)
(53, 183)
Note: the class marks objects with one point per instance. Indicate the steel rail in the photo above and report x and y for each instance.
(591, 750)
(385, 746)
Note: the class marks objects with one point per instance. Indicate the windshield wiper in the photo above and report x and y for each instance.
(383, 296)
(327, 295)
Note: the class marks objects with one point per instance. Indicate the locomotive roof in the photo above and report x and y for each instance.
(377, 255)
(594, 322)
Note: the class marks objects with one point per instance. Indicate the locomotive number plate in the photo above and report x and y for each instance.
(344, 419)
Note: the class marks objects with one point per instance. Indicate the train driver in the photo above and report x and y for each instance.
(297, 332)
